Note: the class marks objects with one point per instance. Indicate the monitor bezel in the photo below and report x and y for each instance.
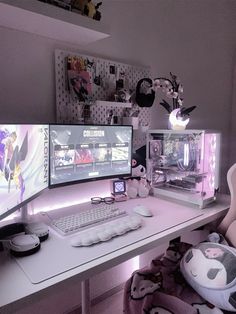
(32, 197)
(122, 175)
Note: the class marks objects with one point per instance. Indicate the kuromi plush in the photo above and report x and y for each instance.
(145, 284)
(137, 184)
(210, 268)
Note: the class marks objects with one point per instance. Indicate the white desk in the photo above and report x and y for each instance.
(16, 288)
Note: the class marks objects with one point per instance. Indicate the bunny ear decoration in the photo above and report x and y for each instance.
(186, 111)
(145, 95)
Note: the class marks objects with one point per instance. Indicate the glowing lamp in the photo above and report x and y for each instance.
(176, 121)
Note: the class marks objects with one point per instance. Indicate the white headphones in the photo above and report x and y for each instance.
(23, 239)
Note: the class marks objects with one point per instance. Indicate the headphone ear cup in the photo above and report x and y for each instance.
(24, 245)
(145, 100)
(20, 244)
(142, 99)
(11, 229)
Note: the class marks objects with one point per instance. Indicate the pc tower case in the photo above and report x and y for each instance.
(184, 165)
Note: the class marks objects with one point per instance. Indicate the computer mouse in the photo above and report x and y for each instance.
(143, 211)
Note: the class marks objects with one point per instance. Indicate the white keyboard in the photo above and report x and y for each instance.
(107, 231)
(69, 224)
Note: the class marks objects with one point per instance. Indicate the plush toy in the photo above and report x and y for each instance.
(78, 4)
(123, 95)
(91, 10)
(87, 7)
(137, 184)
(210, 268)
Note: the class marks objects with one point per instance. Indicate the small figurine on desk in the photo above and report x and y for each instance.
(138, 185)
(118, 190)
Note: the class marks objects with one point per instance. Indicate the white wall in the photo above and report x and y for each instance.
(194, 39)
(231, 149)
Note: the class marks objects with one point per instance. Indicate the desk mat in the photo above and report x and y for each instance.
(57, 255)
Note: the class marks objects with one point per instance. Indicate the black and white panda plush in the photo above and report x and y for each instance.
(210, 268)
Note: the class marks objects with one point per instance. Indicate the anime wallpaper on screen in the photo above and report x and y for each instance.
(24, 157)
(87, 152)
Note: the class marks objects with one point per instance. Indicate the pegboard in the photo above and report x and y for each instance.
(69, 108)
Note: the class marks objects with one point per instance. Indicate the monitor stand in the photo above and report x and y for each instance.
(22, 215)
(32, 226)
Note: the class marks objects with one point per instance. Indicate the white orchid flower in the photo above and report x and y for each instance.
(157, 84)
(180, 89)
(169, 94)
(167, 83)
(180, 102)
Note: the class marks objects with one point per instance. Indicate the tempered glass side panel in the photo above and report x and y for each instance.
(184, 163)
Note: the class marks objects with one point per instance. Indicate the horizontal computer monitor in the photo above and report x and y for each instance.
(24, 164)
(89, 152)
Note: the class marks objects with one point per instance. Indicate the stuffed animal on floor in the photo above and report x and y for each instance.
(137, 184)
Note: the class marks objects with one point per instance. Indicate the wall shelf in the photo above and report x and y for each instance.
(113, 104)
(50, 21)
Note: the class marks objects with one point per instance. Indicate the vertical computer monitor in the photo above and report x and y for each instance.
(24, 162)
(89, 152)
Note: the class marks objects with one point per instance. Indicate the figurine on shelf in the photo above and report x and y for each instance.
(91, 10)
(87, 7)
(122, 95)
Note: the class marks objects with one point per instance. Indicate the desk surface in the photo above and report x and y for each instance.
(16, 287)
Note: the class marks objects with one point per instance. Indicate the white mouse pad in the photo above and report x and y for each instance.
(57, 255)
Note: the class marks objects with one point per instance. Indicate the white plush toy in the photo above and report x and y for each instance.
(138, 188)
(210, 268)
